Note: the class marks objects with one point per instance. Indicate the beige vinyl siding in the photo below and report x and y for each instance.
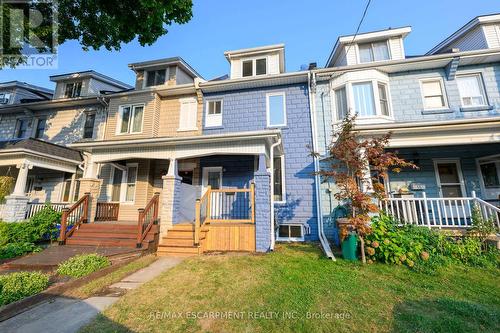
(396, 48)
(148, 99)
(492, 35)
(139, 80)
(51, 183)
(169, 117)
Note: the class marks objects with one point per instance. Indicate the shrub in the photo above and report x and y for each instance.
(82, 265)
(416, 246)
(16, 286)
(43, 225)
(13, 250)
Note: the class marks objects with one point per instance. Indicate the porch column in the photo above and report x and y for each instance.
(170, 198)
(17, 203)
(92, 185)
(262, 179)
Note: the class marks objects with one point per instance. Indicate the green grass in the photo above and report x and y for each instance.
(297, 280)
(96, 286)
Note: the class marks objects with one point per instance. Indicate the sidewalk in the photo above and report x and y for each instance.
(65, 315)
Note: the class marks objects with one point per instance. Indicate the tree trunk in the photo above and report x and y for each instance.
(362, 244)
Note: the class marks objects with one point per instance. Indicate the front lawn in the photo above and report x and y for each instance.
(296, 289)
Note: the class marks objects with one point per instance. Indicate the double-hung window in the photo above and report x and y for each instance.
(382, 98)
(253, 67)
(41, 124)
(364, 104)
(131, 118)
(214, 113)
(73, 89)
(276, 109)
(375, 51)
(21, 128)
(471, 90)
(433, 94)
(155, 77)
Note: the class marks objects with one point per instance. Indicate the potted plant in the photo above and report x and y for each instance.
(359, 168)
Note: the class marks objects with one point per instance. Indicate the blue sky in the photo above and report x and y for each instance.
(308, 28)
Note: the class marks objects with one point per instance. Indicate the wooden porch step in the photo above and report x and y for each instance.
(178, 242)
(110, 227)
(183, 227)
(177, 250)
(100, 242)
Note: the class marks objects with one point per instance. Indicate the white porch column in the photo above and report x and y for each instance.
(17, 203)
(22, 178)
(170, 198)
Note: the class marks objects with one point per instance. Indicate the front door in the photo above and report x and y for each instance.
(212, 176)
(449, 179)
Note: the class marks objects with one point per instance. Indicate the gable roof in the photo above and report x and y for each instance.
(463, 30)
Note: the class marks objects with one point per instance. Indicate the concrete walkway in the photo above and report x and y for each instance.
(65, 315)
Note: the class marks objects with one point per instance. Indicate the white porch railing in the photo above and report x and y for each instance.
(439, 212)
(35, 207)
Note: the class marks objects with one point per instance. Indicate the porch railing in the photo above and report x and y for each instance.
(74, 216)
(439, 212)
(148, 216)
(35, 207)
(107, 211)
(224, 205)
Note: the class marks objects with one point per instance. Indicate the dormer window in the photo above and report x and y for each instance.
(254, 67)
(73, 89)
(155, 77)
(375, 51)
(4, 98)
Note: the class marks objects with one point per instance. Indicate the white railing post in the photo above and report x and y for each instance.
(426, 208)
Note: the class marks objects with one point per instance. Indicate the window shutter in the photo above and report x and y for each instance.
(188, 115)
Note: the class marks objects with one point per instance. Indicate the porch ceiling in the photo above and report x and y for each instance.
(248, 143)
(443, 133)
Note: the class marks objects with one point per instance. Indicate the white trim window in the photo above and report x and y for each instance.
(433, 94)
(276, 109)
(22, 128)
(370, 100)
(279, 179)
(254, 67)
(131, 118)
(341, 102)
(290, 232)
(213, 115)
(4, 98)
(471, 90)
(188, 114)
(73, 89)
(449, 178)
(374, 51)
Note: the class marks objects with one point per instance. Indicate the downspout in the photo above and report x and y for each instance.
(312, 108)
(271, 154)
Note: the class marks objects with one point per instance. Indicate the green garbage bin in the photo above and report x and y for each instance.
(350, 247)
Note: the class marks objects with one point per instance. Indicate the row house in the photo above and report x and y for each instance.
(442, 108)
(190, 165)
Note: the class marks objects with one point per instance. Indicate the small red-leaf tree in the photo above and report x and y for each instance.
(350, 165)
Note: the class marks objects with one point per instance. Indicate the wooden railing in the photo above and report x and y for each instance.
(107, 211)
(35, 207)
(74, 216)
(224, 205)
(439, 212)
(148, 216)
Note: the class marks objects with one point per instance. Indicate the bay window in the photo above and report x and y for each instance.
(367, 99)
(471, 90)
(131, 118)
